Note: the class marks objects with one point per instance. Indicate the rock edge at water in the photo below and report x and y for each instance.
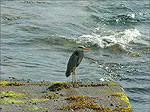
(50, 96)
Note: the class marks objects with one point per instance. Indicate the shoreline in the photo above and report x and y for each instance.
(49, 96)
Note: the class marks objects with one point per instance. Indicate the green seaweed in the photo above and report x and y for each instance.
(112, 83)
(4, 82)
(6, 98)
(7, 82)
(58, 81)
(12, 100)
(123, 97)
(10, 83)
(10, 94)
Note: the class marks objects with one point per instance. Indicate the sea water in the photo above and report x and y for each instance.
(38, 37)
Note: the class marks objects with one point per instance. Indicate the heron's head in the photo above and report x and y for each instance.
(84, 48)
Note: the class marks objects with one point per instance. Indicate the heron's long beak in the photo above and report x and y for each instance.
(87, 48)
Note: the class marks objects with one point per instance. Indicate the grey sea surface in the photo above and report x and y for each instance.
(38, 37)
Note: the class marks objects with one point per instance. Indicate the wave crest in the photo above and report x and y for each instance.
(121, 38)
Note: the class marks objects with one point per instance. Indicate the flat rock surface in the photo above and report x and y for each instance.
(57, 96)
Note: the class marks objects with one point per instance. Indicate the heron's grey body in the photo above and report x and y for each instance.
(74, 61)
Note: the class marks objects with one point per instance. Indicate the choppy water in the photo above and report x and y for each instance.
(38, 38)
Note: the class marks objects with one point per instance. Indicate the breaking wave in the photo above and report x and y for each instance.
(121, 38)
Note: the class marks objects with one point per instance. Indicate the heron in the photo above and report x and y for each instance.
(74, 61)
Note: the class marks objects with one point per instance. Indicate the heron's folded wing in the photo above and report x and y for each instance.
(72, 64)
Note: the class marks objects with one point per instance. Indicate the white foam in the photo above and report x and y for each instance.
(119, 37)
(131, 15)
(102, 79)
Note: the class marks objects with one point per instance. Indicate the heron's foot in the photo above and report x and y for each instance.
(73, 84)
(76, 84)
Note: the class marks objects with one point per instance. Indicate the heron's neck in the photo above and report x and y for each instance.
(80, 49)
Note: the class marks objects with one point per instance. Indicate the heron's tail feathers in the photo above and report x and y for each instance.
(67, 74)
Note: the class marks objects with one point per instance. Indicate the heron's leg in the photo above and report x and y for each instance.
(72, 77)
(75, 76)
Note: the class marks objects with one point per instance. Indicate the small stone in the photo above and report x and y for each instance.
(132, 54)
(19, 17)
(138, 54)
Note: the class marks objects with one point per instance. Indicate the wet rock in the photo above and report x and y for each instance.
(59, 86)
